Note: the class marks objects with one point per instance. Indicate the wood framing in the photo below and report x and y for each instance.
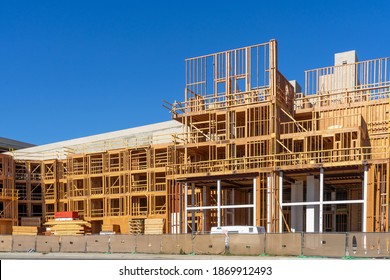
(253, 150)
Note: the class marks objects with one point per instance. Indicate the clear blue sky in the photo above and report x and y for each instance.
(76, 68)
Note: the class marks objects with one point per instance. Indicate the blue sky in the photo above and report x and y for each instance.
(76, 68)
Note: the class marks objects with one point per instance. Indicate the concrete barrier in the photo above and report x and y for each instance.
(283, 244)
(246, 244)
(73, 244)
(5, 243)
(97, 243)
(148, 244)
(213, 244)
(324, 244)
(122, 243)
(48, 243)
(369, 244)
(23, 243)
(176, 244)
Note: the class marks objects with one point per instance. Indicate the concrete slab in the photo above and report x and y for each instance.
(123, 243)
(209, 244)
(23, 243)
(5, 243)
(283, 244)
(48, 243)
(324, 244)
(246, 244)
(97, 243)
(176, 244)
(73, 243)
(150, 244)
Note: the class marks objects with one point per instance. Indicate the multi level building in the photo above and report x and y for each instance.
(245, 147)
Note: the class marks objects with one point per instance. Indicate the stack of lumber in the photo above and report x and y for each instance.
(30, 221)
(136, 226)
(110, 229)
(67, 223)
(68, 227)
(154, 226)
(66, 215)
(24, 230)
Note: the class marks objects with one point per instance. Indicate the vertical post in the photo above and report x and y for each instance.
(321, 200)
(269, 202)
(204, 198)
(185, 208)
(219, 203)
(365, 193)
(254, 202)
(232, 220)
(280, 201)
(193, 204)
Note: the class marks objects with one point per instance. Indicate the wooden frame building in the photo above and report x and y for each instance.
(245, 147)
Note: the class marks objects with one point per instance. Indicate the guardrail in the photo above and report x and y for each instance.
(337, 245)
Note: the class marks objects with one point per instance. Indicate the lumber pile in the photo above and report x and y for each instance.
(68, 223)
(24, 230)
(110, 229)
(136, 226)
(68, 227)
(30, 221)
(154, 226)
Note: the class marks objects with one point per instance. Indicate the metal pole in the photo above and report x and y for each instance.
(185, 208)
(269, 202)
(219, 203)
(193, 204)
(320, 221)
(365, 191)
(280, 201)
(204, 211)
(254, 201)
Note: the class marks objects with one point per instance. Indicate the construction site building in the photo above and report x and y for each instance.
(245, 147)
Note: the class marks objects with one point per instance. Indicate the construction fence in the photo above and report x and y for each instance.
(335, 245)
